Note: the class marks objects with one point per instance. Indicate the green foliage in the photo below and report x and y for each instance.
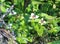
(26, 29)
(55, 42)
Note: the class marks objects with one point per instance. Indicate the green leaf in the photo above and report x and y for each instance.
(30, 39)
(54, 42)
(40, 30)
(2, 0)
(3, 8)
(15, 2)
(22, 39)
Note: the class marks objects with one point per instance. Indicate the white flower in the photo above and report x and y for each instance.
(54, 6)
(36, 16)
(42, 21)
(33, 16)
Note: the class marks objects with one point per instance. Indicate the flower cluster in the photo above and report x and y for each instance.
(41, 21)
(54, 6)
(33, 16)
